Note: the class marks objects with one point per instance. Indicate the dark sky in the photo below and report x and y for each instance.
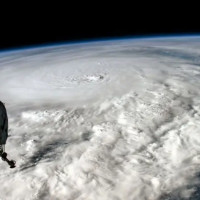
(34, 28)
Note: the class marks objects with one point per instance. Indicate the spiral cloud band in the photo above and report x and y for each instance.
(109, 120)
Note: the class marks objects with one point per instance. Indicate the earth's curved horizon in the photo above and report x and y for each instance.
(97, 40)
(105, 120)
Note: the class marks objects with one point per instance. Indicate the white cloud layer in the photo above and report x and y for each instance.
(106, 121)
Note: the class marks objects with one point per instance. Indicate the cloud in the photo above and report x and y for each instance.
(132, 135)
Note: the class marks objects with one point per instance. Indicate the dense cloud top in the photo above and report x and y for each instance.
(105, 120)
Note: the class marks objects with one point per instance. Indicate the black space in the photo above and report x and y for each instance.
(63, 26)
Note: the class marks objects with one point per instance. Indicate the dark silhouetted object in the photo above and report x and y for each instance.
(4, 135)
